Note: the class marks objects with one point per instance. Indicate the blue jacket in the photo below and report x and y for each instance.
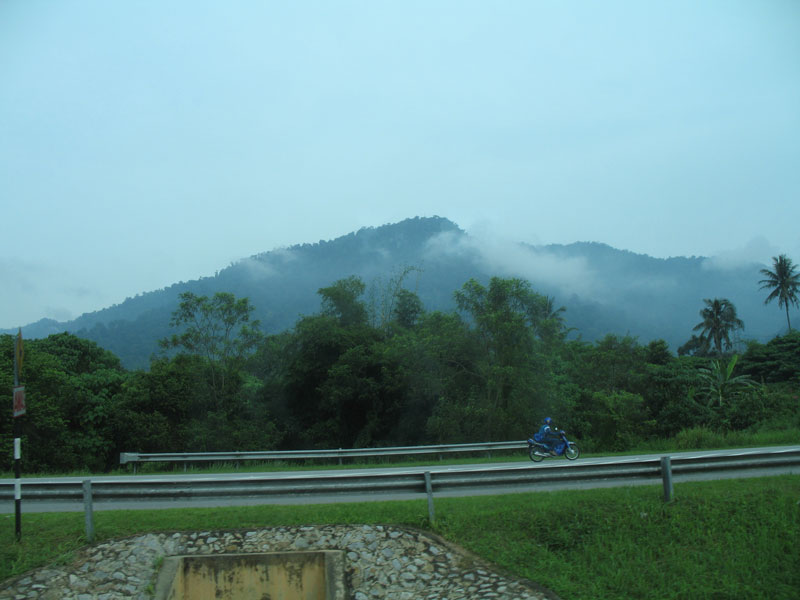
(547, 435)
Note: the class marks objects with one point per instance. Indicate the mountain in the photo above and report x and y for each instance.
(604, 290)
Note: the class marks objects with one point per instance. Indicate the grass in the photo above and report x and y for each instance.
(722, 540)
(702, 438)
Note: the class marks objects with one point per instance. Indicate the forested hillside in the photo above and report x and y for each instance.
(385, 370)
(604, 290)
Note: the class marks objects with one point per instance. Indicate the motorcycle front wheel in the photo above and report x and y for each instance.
(535, 457)
(571, 452)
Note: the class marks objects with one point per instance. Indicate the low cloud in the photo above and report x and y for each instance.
(497, 254)
(548, 270)
(266, 266)
(756, 251)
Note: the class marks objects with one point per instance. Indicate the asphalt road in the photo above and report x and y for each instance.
(433, 467)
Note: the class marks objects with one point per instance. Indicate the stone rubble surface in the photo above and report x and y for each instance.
(381, 562)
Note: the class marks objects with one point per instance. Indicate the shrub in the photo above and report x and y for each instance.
(699, 437)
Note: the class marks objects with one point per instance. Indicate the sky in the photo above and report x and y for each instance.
(143, 143)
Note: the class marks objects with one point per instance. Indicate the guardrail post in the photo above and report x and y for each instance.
(666, 477)
(87, 509)
(429, 491)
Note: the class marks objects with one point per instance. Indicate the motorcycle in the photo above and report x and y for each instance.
(538, 452)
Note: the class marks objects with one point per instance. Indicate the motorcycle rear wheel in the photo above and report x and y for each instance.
(571, 452)
(535, 456)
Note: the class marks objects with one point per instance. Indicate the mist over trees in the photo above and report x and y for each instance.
(604, 290)
(374, 366)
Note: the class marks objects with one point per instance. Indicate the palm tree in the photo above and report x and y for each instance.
(549, 321)
(719, 320)
(783, 282)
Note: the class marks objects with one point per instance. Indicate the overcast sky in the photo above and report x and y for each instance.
(150, 142)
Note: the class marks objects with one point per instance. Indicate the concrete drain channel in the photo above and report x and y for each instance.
(256, 576)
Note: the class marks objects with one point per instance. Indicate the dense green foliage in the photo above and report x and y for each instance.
(724, 539)
(719, 320)
(377, 369)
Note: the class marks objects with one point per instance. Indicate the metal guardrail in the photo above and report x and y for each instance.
(399, 482)
(409, 482)
(189, 457)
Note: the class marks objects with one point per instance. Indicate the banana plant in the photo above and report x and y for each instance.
(720, 384)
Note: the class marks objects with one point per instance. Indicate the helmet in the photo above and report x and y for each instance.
(547, 420)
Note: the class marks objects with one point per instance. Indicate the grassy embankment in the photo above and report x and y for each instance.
(725, 539)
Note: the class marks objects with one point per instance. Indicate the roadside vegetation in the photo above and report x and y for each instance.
(385, 372)
(699, 438)
(728, 539)
(694, 439)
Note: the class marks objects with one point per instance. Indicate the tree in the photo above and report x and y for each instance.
(668, 391)
(719, 381)
(694, 346)
(385, 300)
(777, 361)
(510, 362)
(71, 386)
(407, 309)
(333, 376)
(612, 420)
(219, 330)
(549, 326)
(719, 321)
(341, 300)
(657, 353)
(784, 283)
(612, 364)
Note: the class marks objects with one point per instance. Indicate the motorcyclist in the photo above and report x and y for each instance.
(547, 434)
